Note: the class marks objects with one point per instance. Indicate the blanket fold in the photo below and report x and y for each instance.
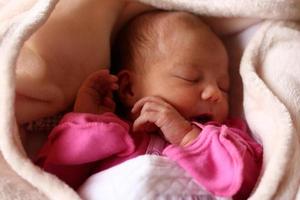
(268, 9)
(13, 38)
(270, 73)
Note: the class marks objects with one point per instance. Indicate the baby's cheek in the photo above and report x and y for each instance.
(186, 110)
(223, 112)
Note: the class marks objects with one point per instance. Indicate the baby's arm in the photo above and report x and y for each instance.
(226, 161)
(80, 141)
(175, 128)
(95, 94)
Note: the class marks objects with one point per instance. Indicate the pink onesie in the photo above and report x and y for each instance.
(224, 159)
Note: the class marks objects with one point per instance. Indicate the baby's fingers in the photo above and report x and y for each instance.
(101, 79)
(109, 104)
(114, 86)
(109, 82)
(100, 74)
(150, 99)
(138, 105)
(145, 122)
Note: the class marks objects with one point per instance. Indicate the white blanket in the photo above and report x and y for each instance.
(270, 73)
(270, 70)
(145, 177)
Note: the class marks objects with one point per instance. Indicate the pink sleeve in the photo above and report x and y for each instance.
(81, 139)
(226, 161)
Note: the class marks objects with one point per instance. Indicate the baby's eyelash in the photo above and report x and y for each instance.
(224, 85)
(189, 80)
(223, 89)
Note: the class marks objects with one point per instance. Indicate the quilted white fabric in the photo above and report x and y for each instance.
(146, 177)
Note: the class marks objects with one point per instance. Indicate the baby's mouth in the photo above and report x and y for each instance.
(203, 118)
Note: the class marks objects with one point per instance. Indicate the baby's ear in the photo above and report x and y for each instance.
(126, 91)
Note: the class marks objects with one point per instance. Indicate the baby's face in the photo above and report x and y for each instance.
(191, 74)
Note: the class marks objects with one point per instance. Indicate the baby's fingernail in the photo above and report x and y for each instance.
(132, 109)
(115, 86)
(114, 77)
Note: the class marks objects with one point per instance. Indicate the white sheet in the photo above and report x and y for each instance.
(145, 177)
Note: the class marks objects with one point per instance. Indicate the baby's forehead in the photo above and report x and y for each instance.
(156, 24)
(179, 22)
(151, 35)
(159, 29)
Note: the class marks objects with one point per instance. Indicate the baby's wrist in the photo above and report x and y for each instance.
(190, 136)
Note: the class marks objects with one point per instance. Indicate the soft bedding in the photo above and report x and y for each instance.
(266, 94)
(146, 177)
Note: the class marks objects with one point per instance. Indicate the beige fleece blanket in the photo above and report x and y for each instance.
(270, 71)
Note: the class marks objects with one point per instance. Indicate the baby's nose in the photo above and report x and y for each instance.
(211, 93)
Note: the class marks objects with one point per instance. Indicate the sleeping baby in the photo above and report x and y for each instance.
(171, 88)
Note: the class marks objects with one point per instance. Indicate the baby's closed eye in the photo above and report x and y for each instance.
(188, 76)
(224, 84)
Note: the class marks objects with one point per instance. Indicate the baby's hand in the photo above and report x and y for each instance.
(175, 128)
(95, 94)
